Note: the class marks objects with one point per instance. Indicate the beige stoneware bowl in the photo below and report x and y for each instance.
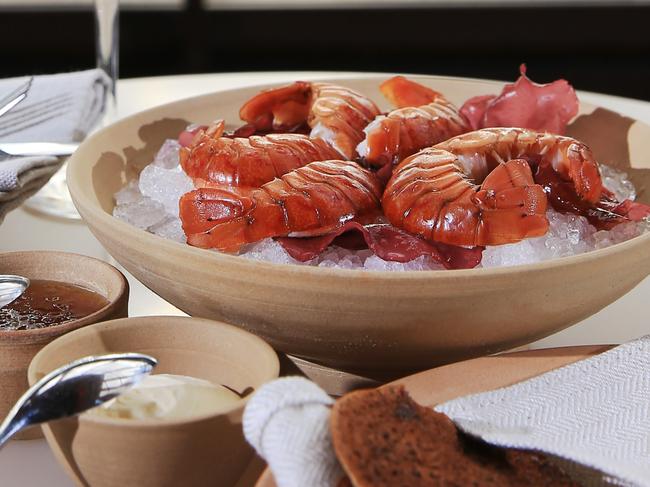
(202, 451)
(17, 348)
(350, 319)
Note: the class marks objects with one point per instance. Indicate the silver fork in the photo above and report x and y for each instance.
(15, 97)
(34, 114)
(21, 149)
(27, 117)
(10, 101)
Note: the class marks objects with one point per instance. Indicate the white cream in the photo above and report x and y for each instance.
(166, 396)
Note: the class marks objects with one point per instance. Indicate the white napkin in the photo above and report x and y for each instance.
(58, 108)
(287, 422)
(595, 412)
(66, 106)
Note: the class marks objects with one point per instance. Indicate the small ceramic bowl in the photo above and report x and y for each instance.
(201, 451)
(17, 348)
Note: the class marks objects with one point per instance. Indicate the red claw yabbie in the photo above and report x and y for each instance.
(312, 200)
(423, 118)
(334, 113)
(211, 159)
(432, 196)
(478, 188)
(564, 157)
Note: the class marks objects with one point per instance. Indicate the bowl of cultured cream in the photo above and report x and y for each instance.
(168, 396)
(178, 427)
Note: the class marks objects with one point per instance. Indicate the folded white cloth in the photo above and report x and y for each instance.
(17, 173)
(287, 422)
(58, 108)
(24, 178)
(592, 416)
(595, 412)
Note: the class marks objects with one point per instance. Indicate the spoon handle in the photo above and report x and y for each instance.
(10, 426)
(75, 388)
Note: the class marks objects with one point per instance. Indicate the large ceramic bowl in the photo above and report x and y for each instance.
(354, 319)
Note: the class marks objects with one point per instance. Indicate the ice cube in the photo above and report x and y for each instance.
(422, 263)
(169, 228)
(573, 234)
(524, 252)
(271, 251)
(167, 156)
(165, 186)
(143, 213)
(618, 183)
(625, 231)
(129, 193)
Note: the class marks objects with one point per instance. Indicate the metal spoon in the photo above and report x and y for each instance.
(11, 288)
(75, 388)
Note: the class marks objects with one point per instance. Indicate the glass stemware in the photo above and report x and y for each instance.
(54, 198)
(107, 49)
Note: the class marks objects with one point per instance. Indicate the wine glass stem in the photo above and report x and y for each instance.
(107, 41)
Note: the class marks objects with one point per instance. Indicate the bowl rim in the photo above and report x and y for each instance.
(272, 372)
(87, 205)
(38, 334)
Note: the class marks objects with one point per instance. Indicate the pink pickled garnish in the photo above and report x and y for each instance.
(543, 107)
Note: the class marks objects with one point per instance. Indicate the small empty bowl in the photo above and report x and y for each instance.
(18, 347)
(207, 450)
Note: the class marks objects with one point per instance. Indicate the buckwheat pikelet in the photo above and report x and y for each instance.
(384, 438)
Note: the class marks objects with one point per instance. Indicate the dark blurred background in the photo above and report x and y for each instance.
(598, 46)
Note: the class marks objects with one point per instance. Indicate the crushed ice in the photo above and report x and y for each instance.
(618, 183)
(568, 234)
(338, 257)
(151, 203)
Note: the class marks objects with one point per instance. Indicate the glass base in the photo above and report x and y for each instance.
(54, 198)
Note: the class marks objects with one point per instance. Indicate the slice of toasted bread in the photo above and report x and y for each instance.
(383, 438)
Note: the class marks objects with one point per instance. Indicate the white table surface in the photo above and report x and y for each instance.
(30, 463)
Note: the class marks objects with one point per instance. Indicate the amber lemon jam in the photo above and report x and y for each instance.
(49, 303)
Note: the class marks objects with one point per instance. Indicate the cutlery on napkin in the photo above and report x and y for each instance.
(592, 417)
(59, 108)
(13, 98)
